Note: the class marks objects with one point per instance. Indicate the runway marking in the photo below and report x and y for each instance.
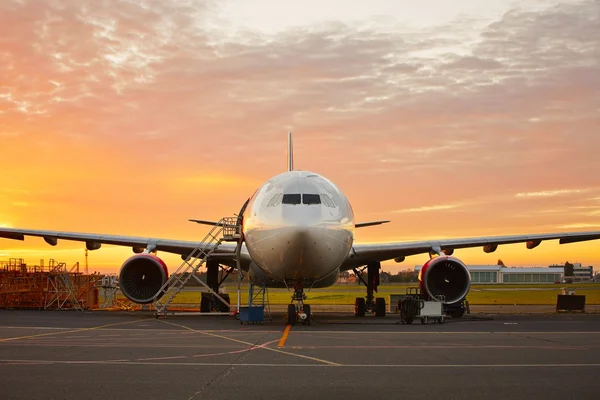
(252, 344)
(447, 347)
(160, 358)
(79, 337)
(279, 365)
(32, 327)
(284, 337)
(61, 332)
(419, 333)
(314, 332)
(235, 351)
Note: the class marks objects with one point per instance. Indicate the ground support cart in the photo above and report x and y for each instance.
(431, 311)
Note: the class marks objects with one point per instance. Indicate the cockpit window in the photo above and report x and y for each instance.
(311, 199)
(275, 200)
(290, 198)
(327, 200)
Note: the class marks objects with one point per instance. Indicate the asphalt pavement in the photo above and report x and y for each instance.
(118, 355)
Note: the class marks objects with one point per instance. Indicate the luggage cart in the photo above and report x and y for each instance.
(431, 311)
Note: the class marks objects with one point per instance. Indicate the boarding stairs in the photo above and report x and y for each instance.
(227, 229)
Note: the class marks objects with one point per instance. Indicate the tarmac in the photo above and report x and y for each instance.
(120, 355)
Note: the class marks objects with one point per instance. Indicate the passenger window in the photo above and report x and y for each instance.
(291, 198)
(311, 199)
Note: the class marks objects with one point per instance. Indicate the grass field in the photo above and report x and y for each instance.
(539, 294)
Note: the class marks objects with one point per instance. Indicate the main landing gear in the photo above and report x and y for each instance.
(298, 312)
(369, 303)
(209, 302)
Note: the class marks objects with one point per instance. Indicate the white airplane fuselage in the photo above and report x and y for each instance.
(299, 228)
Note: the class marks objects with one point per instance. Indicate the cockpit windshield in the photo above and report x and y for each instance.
(291, 198)
(297, 198)
(311, 199)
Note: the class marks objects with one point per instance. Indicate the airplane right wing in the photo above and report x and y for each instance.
(365, 253)
(370, 223)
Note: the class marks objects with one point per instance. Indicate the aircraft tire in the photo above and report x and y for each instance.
(380, 307)
(222, 306)
(205, 304)
(292, 314)
(308, 314)
(360, 307)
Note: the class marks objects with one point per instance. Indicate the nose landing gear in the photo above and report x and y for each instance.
(299, 312)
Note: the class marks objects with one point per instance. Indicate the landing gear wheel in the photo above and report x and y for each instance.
(205, 304)
(222, 306)
(457, 314)
(441, 320)
(306, 311)
(360, 307)
(408, 321)
(292, 314)
(380, 307)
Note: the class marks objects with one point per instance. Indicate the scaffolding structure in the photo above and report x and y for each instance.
(52, 287)
(110, 286)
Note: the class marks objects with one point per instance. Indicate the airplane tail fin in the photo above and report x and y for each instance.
(290, 155)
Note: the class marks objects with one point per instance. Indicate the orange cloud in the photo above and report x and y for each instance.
(125, 119)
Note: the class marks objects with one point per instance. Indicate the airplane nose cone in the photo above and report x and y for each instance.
(299, 253)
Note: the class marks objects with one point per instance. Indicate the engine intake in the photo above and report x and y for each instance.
(445, 279)
(141, 277)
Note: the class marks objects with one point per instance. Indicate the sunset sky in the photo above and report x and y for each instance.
(451, 118)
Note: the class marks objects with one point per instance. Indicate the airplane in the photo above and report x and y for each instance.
(298, 232)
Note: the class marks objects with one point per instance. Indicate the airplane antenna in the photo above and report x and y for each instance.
(290, 155)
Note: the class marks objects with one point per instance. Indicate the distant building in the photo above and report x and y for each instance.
(501, 274)
(580, 273)
(346, 277)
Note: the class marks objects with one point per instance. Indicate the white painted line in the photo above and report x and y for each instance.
(72, 337)
(33, 327)
(170, 364)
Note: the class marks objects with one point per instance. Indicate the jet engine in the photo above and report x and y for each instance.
(445, 279)
(141, 276)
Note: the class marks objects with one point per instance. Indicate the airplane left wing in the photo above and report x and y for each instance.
(138, 244)
(362, 254)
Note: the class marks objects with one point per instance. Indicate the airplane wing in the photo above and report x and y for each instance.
(362, 254)
(93, 241)
(371, 223)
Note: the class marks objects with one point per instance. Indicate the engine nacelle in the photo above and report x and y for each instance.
(445, 279)
(142, 276)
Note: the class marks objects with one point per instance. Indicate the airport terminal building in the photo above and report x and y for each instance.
(500, 274)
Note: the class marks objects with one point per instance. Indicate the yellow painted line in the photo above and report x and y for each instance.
(284, 337)
(252, 344)
(62, 332)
